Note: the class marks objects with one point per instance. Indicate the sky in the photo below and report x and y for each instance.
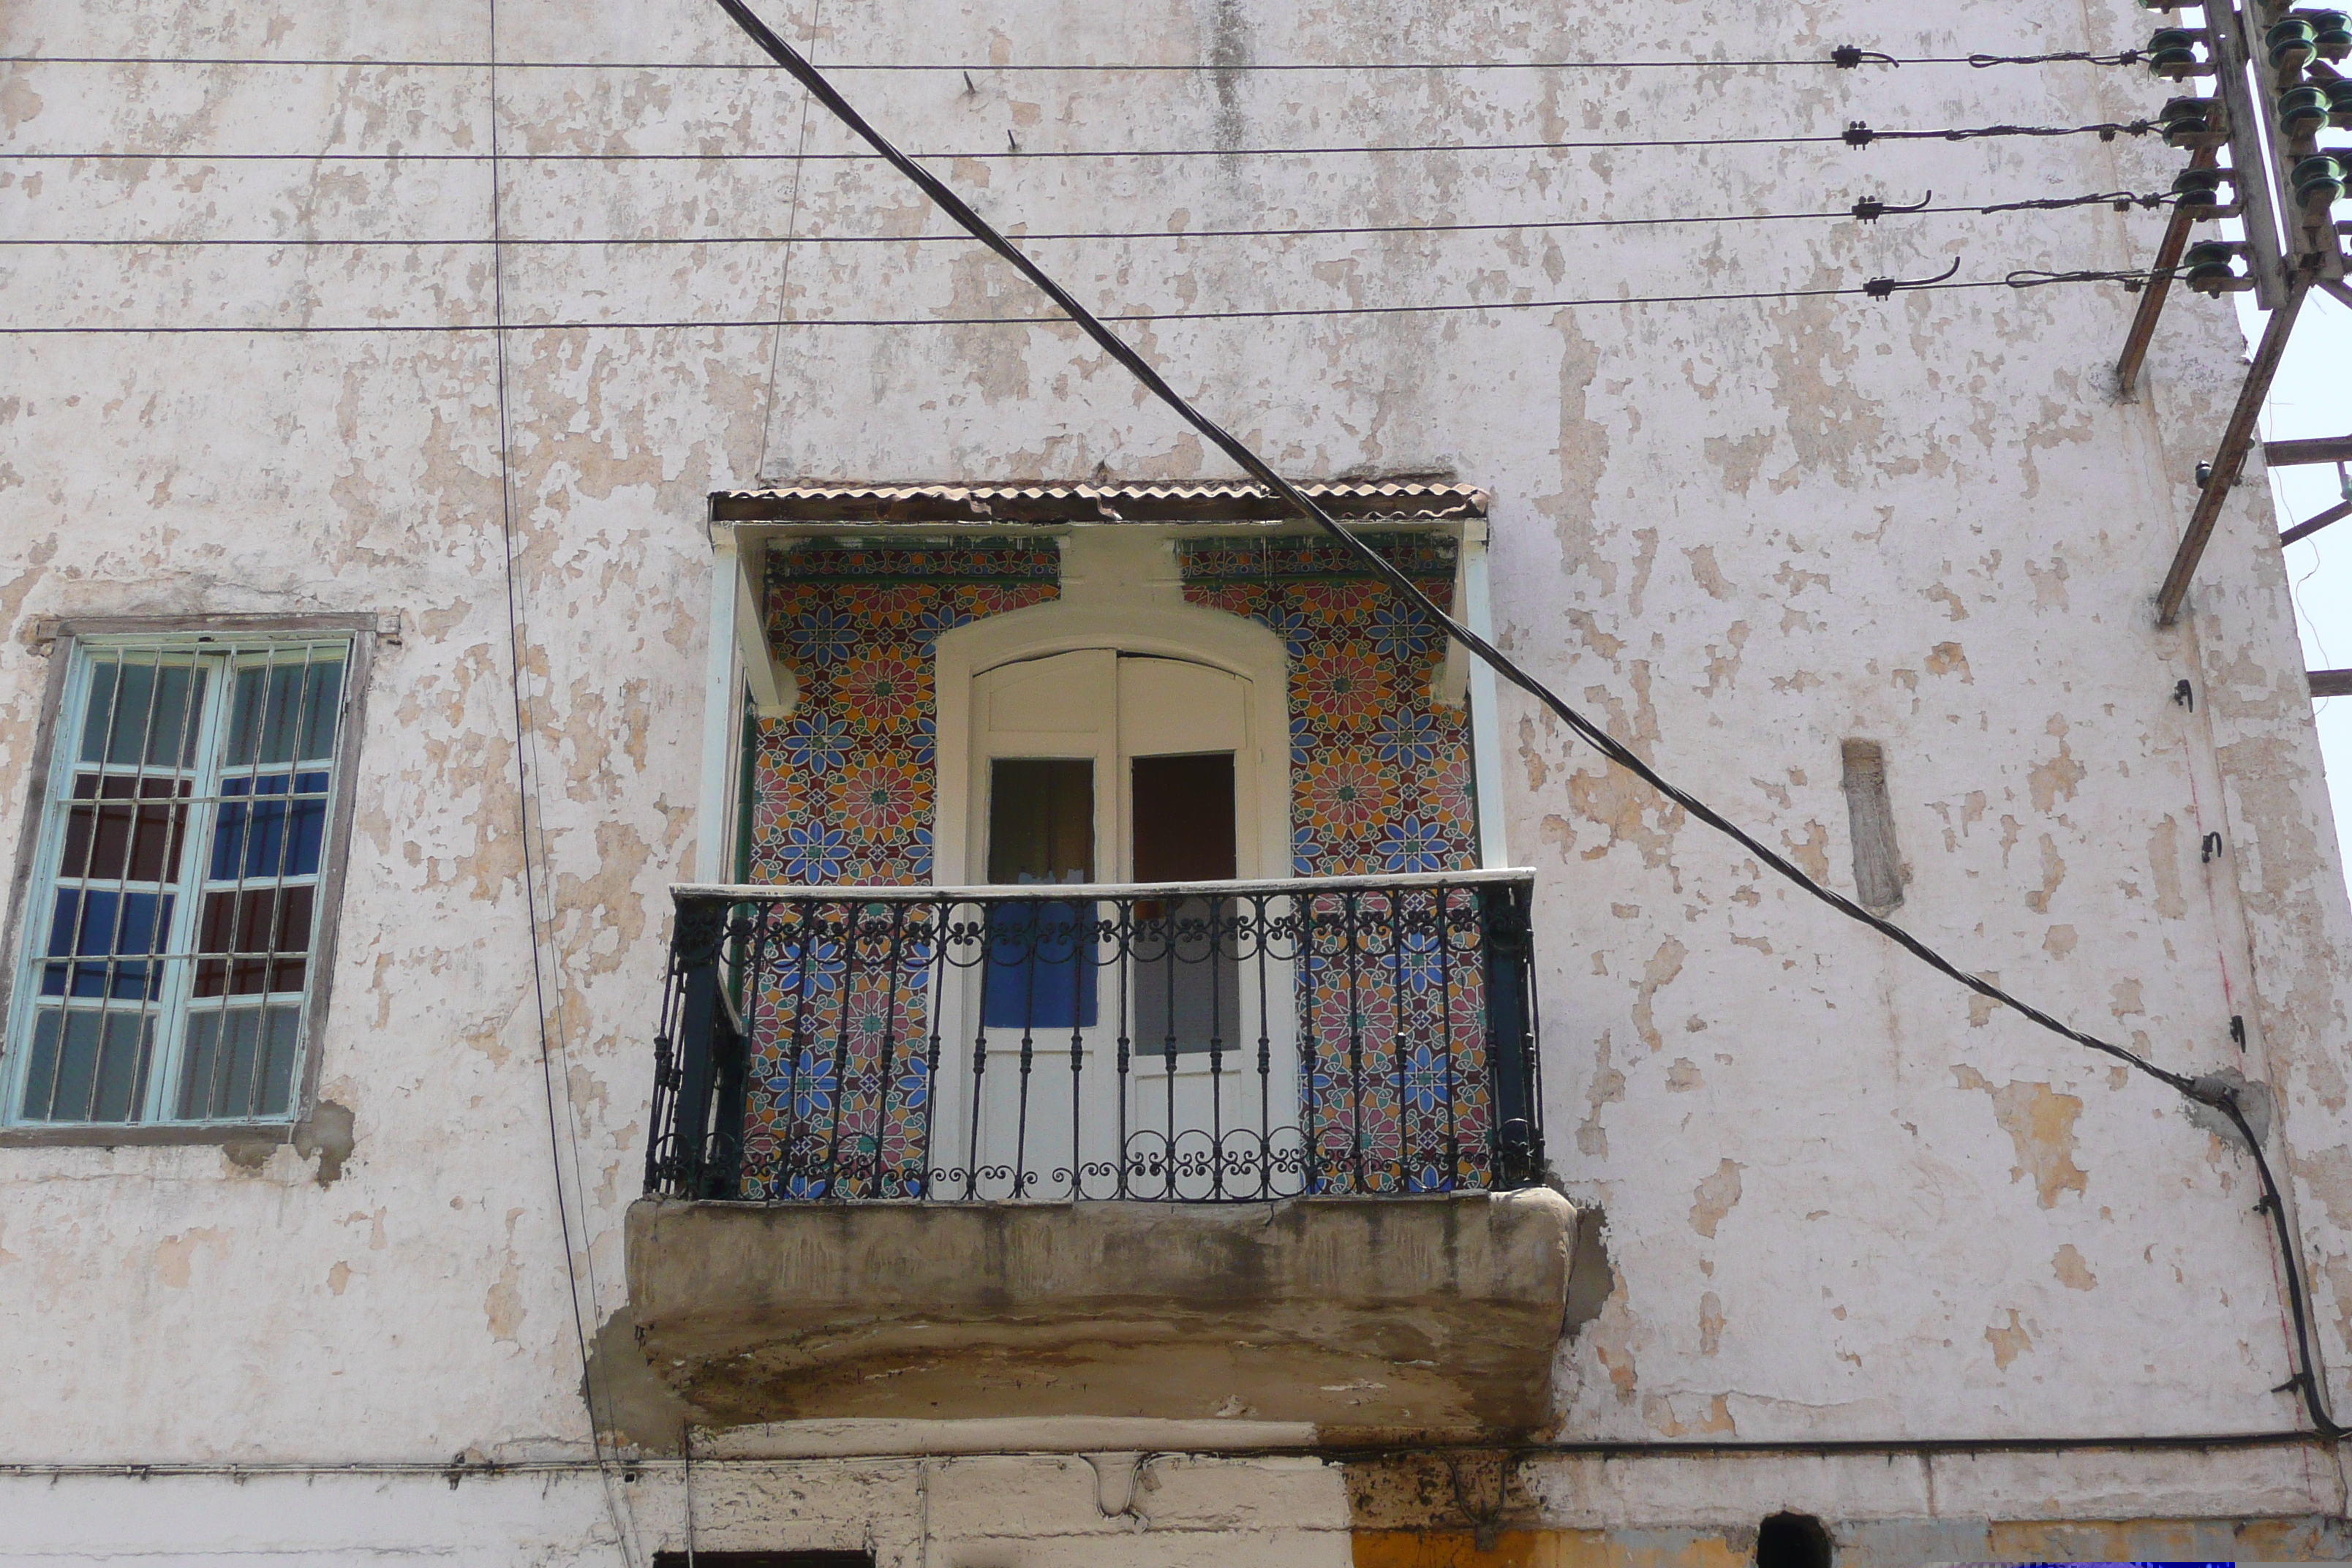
(2312, 395)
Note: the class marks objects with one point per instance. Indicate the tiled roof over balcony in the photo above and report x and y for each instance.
(1385, 500)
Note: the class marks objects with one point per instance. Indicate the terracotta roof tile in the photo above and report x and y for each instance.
(1212, 501)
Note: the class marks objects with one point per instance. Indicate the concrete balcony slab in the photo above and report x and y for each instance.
(1371, 1317)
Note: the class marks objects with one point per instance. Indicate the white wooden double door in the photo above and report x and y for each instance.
(1094, 767)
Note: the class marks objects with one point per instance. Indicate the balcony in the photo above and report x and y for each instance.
(1168, 1151)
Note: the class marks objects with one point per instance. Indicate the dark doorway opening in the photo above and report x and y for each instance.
(1792, 1541)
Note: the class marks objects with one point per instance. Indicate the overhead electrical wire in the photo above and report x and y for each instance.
(2211, 1092)
(776, 346)
(2063, 57)
(1868, 210)
(1856, 134)
(2129, 278)
(1323, 1444)
(1877, 288)
(531, 825)
(2220, 1098)
(1845, 57)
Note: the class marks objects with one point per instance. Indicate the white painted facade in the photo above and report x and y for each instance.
(1846, 1203)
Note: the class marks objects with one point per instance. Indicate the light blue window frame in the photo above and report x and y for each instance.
(173, 938)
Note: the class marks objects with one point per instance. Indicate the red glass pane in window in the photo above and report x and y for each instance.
(254, 924)
(108, 842)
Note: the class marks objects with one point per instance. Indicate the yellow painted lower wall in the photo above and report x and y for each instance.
(1907, 1542)
(1546, 1549)
(2168, 1539)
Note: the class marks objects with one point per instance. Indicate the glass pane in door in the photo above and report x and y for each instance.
(1186, 976)
(1041, 957)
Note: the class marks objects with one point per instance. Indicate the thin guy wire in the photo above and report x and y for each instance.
(442, 1469)
(1041, 321)
(2045, 204)
(785, 274)
(2104, 128)
(1080, 66)
(526, 804)
(1609, 746)
(945, 155)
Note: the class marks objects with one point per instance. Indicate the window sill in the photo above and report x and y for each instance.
(112, 1136)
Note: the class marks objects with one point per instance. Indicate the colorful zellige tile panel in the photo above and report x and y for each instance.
(844, 789)
(845, 792)
(1380, 782)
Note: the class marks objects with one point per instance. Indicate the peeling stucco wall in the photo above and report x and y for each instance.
(1844, 1199)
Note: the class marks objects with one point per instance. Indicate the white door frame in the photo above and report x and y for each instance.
(1122, 607)
(1121, 594)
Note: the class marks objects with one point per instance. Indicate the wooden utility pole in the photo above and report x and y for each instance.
(2236, 437)
(2326, 449)
(2151, 298)
(2290, 247)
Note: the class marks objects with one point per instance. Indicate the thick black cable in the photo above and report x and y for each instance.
(2307, 1377)
(1860, 134)
(2043, 203)
(1242, 456)
(2121, 201)
(1856, 134)
(2083, 57)
(2130, 277)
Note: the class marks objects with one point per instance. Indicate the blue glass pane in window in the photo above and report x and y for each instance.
(1041, 967)
(240, 1064)
(111, 927)
(270, 837)
(285, 711)
(143, 714)
(87, 1066)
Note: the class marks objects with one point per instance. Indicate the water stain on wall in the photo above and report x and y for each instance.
(2041, 1123)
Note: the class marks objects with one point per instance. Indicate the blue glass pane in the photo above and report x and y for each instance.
(270, 838)
(285, 712)
(87, 1066)
(1041, 967)
(89, 923)
(240, 1064)
(143, 714)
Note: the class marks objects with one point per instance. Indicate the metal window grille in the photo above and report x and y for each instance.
(804, 1559)
(1203, 1043)
(166, 959)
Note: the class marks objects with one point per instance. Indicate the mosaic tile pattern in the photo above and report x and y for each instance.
(1380, 782)
(845, 792)
(844, 788)
(1380, 774)
(852, 1099)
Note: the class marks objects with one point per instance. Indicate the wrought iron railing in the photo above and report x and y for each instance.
(1217, 1042)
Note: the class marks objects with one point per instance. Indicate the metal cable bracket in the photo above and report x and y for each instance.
(1870, 209)
(1883, 287)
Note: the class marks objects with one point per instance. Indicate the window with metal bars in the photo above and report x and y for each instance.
(166, 972)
